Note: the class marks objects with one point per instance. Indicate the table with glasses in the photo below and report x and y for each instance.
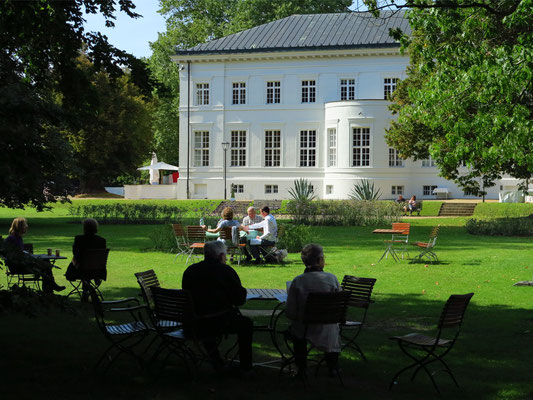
(388, 245)
(50, 258)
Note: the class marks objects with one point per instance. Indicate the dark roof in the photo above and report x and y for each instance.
(309, 32)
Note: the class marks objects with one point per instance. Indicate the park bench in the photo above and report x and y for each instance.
(417, 208)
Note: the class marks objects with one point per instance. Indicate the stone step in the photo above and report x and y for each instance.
(456, 209)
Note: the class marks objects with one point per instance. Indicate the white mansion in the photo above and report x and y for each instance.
(304, 96)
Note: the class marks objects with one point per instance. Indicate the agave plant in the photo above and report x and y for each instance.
(364, 190)
(302, 190)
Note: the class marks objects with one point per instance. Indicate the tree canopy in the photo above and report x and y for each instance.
(468, 96)
(42, 89)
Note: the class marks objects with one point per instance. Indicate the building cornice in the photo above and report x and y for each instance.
(288, 54)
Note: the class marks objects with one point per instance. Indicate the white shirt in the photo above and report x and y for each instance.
(270, 228)
(248, 221)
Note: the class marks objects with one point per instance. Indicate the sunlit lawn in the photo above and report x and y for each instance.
(52, 355)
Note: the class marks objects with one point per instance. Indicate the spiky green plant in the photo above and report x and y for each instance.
(364, 190)
(302, 190)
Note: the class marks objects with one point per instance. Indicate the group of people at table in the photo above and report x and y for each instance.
(252, 222)
(88, 241)
(217, 291)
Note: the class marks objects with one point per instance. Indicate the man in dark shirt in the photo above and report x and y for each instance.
(216, 291)
(88, 241)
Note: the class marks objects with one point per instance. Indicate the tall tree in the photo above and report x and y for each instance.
(468, 97)
(41, 40)
(114, 134)
(190, 22)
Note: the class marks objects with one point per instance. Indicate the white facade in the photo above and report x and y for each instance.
(331, 142)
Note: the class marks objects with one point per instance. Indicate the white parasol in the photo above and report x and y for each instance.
(154, 168)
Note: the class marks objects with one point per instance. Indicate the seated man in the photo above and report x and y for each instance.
(216, 290)
(323, 337)
(88, 241)
(252, 217)
(268, 238)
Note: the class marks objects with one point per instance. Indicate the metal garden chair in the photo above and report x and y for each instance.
(181, 241)
(425, 350)
(124, 336)
(426, 248)
(360, 290)
(195, 242)
(402, 239)
(321, 308)
(20, 274)
(232, 249)
(91, 272)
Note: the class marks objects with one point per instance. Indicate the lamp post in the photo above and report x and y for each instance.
(225, 147)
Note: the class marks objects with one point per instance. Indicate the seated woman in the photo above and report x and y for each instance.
(15, 243)
(227, 221)
(88, 241)
(323, 337)
(411, 204)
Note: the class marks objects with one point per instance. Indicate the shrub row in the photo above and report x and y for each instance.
(344, 212)
(500, 226)
(128, 213)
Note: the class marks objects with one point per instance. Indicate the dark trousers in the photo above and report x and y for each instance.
(300, 355)
(209, 329)
(258, 249)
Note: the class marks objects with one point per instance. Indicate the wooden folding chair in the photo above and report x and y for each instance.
(425, 350)
(232, 249)
(360, 292)
(91, 272)
(181, 241)
(321, 308)
(426, 248)
(124, 336)
(400, 240)
(195, 242)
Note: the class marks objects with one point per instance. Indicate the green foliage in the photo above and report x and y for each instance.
(465, 99)
(130, 213)
(500, 226)
(294, 237)
(40, 42)
(302, 191)
(430, 208)
(163, 238)
(344, 212)
(25, 301)
(503, 210)
(364, 190)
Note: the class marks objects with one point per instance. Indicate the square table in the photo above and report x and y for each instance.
(389, 249)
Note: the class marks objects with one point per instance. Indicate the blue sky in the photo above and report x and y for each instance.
(131, 35)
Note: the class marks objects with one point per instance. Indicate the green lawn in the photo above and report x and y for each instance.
(51, 355)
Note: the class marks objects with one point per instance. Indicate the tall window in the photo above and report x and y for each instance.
(272, 148)
(394, 158)
(308, 148)
(361, 147)
(239, 93)
(347, 89)
(202, 94)
(389, 86)
(273, 92)
(201, 149)
(428, 163)
(332, 147)
(396, 190)
(308, 91)
(427, 190)
(238, 148)
(269, 189)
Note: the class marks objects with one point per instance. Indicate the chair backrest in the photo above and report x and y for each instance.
(147, 281)
(172, 304)
(93, 264)
(402, 226)
(326, 308)
(454, 310)
(178, 230)
(433, 236)
(28, 247)
(195, 234)
(360, 290)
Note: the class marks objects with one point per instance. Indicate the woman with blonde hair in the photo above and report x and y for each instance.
(19, 227)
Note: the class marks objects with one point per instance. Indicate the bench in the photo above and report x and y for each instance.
(417, 208)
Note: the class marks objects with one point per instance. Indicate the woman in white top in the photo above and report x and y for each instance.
(325, 337)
